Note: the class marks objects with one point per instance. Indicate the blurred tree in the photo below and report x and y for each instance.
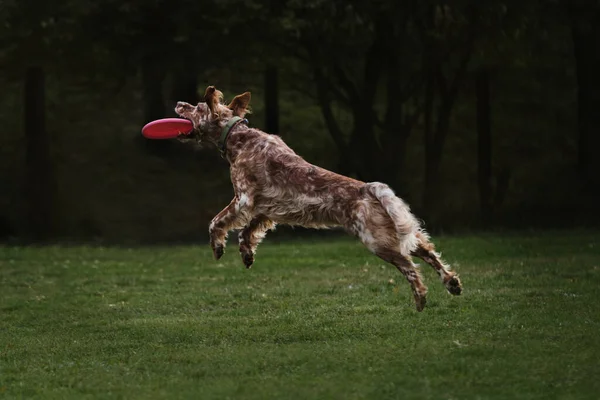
(155, 40)
(185, 80)
(271, 99)
(388, 64)
(350, 47)
(382, 72)
(584, 17)
(138, 38)
(448, 36)
(40, 183)
(484, 143)
(34, 37)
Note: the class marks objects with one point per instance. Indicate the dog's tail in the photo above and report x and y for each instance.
(405, 222)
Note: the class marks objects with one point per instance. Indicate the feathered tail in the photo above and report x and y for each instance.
(405, 222)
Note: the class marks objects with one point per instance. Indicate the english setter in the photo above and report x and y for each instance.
(273, 185)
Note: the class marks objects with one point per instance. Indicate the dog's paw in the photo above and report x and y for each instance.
(421, 301)
(218, 251)
(453, 286)
(248, 259)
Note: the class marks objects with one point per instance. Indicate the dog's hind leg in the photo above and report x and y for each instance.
(405, 265)
(426, 251)
(229, 218)
(251, 236)
(375, 228)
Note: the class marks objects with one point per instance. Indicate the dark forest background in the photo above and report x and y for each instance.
(481, 114)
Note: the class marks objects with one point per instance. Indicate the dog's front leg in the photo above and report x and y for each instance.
(251, 236)
(229, 218)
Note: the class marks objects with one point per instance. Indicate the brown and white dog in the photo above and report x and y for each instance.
(273, 185)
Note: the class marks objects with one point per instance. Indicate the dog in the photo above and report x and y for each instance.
(273, 185)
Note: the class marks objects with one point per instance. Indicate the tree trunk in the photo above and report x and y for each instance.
(185, 86)
(153, 76)
(271, 100)
(397, 129)
(435, 139)
(434, 148)
(346, 165)
(393, 156)
(586, 46)
(363, 147)
(431, 189)
(484, 144)
(40, 184)
(429, 138)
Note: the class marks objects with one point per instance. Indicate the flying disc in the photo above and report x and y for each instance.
(167, 128)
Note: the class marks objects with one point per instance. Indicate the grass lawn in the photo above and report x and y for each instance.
(311, 319)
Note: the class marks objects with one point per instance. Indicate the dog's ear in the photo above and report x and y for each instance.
(213, 97)
(239, 104)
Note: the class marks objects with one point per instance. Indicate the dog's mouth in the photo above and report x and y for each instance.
(194, 134)
(181, 114)
(187, 119)
(188, 112)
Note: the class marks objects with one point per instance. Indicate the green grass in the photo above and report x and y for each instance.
(312, 319)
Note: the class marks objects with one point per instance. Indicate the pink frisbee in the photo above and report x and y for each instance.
(167, 128)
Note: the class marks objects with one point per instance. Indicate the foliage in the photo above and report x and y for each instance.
(390, 65)
(379, 90)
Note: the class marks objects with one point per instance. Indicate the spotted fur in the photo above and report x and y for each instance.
(273, 185)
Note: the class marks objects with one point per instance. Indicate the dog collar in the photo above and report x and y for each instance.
(227, 129)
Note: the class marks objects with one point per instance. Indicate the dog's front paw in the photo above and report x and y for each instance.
(248, 259)
(218, 251)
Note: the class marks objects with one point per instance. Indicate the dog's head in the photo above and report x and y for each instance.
(210, 117)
